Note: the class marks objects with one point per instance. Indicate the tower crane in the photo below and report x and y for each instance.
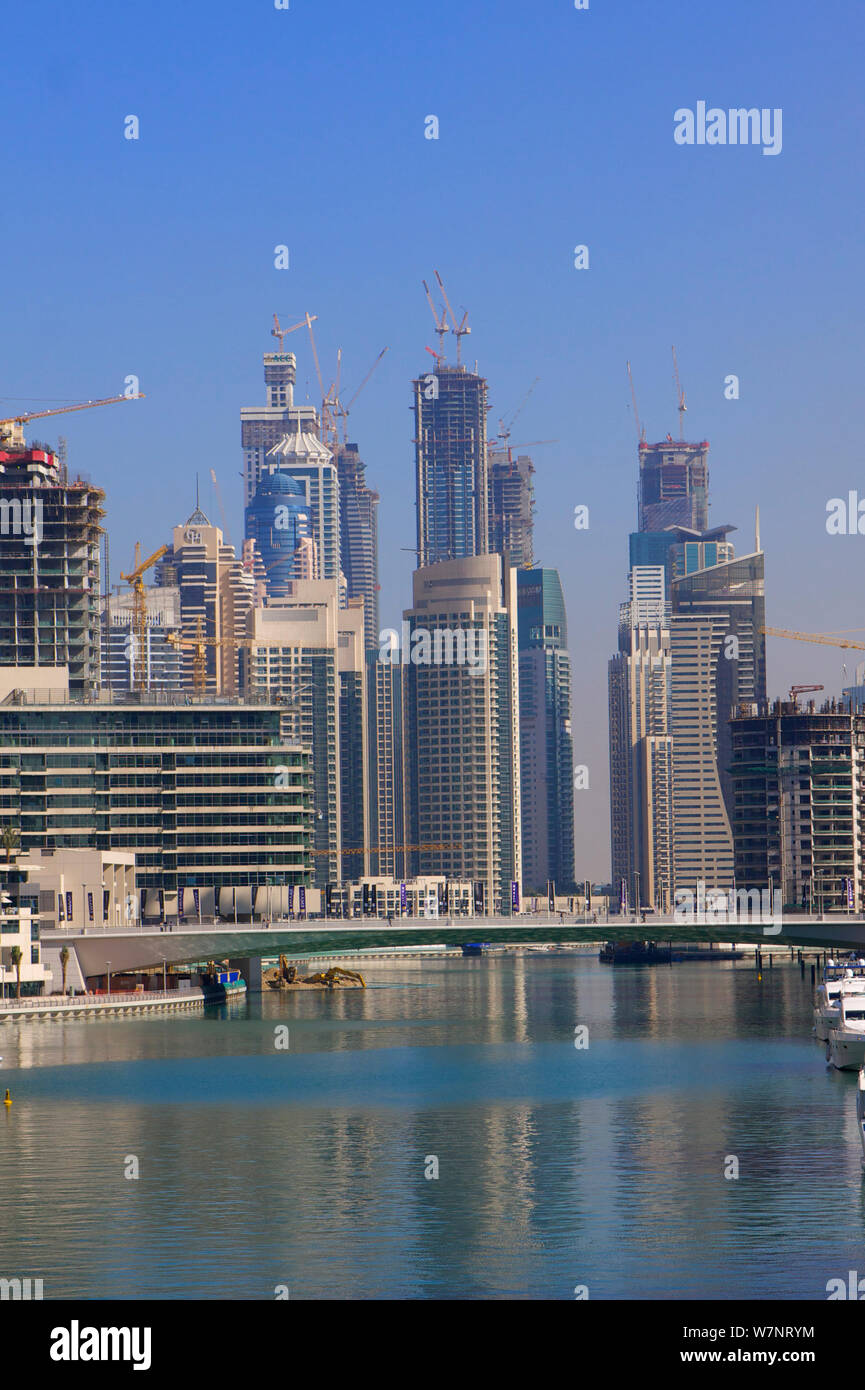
(346, 410)
(680, 396)
(641, 432)
(12, 428)
(824, 639)
(218, 490)
(282, 333)
(460, 331)
(441, 323)
(505, 431)
(199, 644)
(139, 609)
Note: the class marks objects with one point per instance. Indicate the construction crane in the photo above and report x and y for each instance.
(199, 644)
(820, 637)
(505, 431)
(139, 610)
(12, 428)
(680, 396)
(345, 411)
(218, 491)
(282, 333)
(797, 690)
(641, 433)
(460, 331)
(440, 321)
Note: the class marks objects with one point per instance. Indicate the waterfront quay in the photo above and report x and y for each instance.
(58, 1006)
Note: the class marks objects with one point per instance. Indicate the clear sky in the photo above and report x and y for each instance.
(305, 127)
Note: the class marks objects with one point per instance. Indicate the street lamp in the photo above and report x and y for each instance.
(164, 983)
(108, 969)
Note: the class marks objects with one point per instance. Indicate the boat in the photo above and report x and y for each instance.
(860, 1108)
(634, 953)
(475, 948)
(221, 985)
(846, 1045)
(845, 976)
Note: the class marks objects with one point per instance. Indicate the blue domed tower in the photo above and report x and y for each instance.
(278, 519)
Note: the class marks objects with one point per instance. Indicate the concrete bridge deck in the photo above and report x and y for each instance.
(148, 947)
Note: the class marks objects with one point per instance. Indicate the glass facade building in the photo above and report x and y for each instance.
(205, 794)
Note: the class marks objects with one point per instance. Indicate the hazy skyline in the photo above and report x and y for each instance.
(261, 127)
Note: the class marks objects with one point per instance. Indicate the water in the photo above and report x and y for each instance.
(557, 1166)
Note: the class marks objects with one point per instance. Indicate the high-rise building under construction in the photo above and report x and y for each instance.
(511, 506)
(674, 485)
(261, 427)
(50, 533)
(450, 410)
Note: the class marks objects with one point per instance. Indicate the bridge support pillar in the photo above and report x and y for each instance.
(250, 969)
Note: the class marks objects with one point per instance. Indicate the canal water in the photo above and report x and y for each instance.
(439, 1135)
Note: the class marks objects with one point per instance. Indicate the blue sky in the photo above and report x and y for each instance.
(306, 127)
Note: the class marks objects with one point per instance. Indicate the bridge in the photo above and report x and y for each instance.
(144, 948)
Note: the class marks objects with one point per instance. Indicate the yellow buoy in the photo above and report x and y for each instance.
(8, 1097)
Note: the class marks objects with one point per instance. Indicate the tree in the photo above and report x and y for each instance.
(10, 839)
(17, 957)
(64, 961)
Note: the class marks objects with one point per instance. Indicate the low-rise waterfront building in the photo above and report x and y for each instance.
(21, 966)
(208, 794)
(798, 778)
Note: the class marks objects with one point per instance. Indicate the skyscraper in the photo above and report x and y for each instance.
(718, 662)
(387, 752)
(674, 485)
(263, 426)
(50, 533)
(450, 410)
(358, 536)
(216, 593)
(163, 661)
(641, 745)
(546, 741)
(461, 724)
(511, 506)
(278, 520)
(308, 462)
(309, 653)
(799, 786)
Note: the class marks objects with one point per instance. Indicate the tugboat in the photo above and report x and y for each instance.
(221, 985)
(634, 953)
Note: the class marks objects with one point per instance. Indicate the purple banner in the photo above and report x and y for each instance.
(403, 897)
(180, 902)
(69, 906)
(90, 906)
(301, 898)
(515, 895)
(291, 897)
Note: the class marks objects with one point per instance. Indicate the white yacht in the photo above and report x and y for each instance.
(839, 977)
(846, 1047)
(860, 1108)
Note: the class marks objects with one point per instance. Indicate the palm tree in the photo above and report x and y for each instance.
(10, 839)
(16, 958)
(64, 961)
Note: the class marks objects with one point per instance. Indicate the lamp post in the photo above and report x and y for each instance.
(108, 970)
(164, 980)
